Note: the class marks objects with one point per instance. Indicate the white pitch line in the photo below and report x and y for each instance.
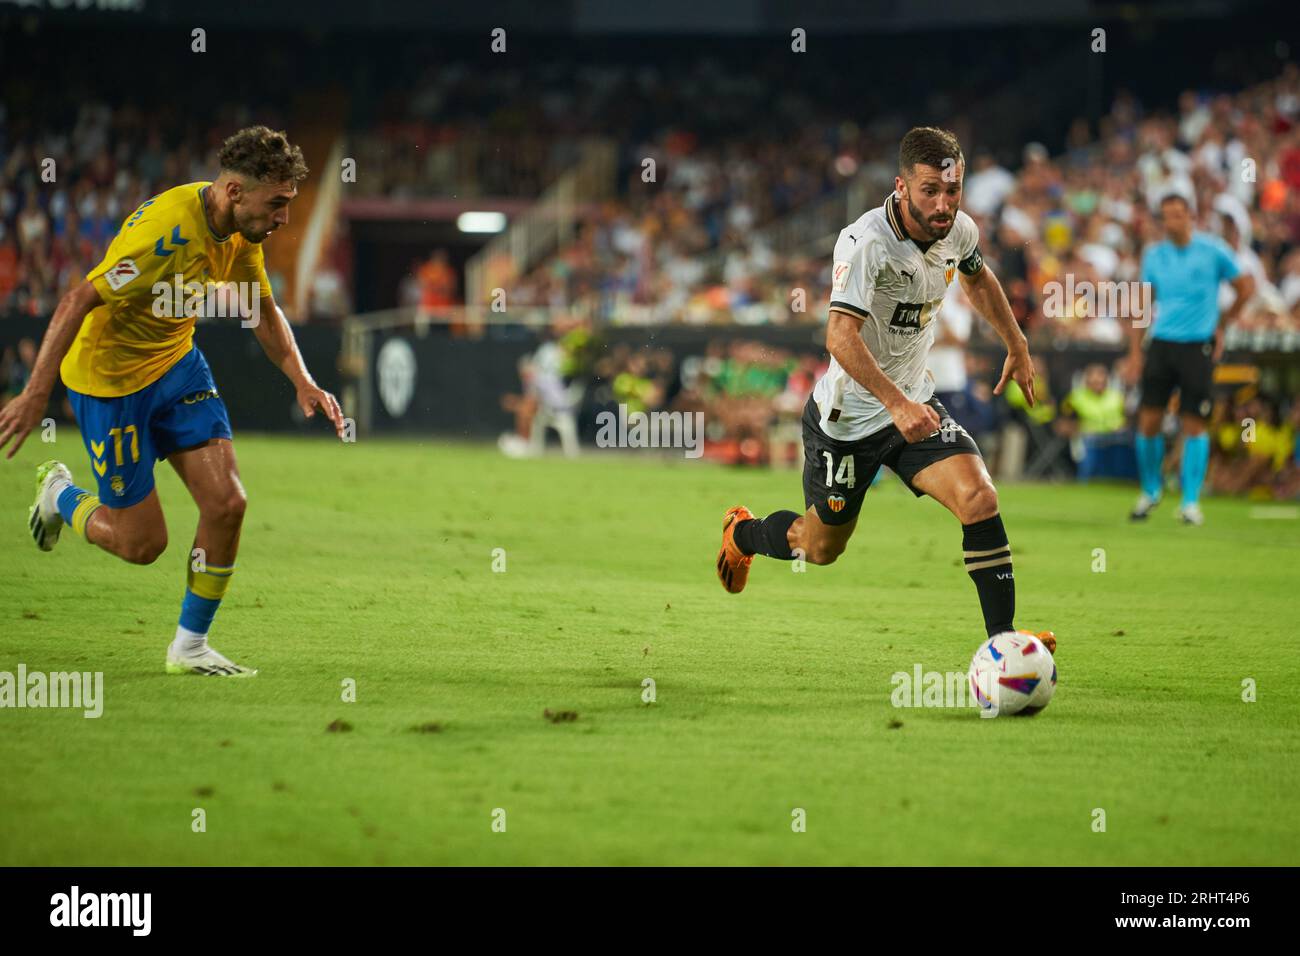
(1275, 514)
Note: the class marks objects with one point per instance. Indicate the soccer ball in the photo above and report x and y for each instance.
(1011, 673)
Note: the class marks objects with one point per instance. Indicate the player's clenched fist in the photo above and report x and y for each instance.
(915, 420)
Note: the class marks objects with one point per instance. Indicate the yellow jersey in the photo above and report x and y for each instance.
(125, 345)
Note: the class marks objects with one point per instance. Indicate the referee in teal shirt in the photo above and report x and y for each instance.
(1186, 339)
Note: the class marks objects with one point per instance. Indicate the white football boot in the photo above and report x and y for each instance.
(43, 518)
(207, 663)
(1145, 505)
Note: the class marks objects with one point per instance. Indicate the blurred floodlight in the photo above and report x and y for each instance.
(481, 221)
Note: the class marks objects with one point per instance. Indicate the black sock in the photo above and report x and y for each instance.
(988, 562)
(767, 535)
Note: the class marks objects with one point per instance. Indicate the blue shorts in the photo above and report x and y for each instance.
(126, 435)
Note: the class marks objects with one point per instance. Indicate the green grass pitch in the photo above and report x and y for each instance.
(374, 562)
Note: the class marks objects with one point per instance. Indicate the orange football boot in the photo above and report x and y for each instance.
(733, 564)
(1049, 639)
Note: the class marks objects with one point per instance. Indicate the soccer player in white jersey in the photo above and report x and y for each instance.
(875, 405)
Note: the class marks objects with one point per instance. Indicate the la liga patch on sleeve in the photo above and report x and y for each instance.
(840, 275)
(121, 274)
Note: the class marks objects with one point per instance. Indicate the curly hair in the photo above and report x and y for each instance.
(927, 146)
(263, 154)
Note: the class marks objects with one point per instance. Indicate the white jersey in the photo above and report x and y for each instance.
(888, 280)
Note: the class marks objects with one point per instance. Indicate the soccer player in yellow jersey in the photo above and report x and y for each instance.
(142, 391)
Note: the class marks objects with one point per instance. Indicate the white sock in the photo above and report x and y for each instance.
(187, 643)
(55, 489)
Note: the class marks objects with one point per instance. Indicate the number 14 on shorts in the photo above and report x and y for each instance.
(844, 476)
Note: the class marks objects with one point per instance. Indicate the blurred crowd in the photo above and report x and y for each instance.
(1253, 446)
(752, 395)
(744, 388)
(65, 190)
(713, 157)
(1088, 213)
(699, 181)
(691, 248)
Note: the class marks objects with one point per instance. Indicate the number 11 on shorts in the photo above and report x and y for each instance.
(116, 434)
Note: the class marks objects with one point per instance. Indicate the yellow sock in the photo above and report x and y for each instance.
(210, 583)
(87, 505)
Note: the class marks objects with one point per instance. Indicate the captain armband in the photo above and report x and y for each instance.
(972, 264)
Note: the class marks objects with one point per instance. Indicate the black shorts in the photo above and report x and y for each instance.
(1186, 366)
(837, 474)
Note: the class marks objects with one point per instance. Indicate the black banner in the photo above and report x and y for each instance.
(929, 908)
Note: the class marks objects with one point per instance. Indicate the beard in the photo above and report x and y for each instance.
(931, 230)
(252, 231)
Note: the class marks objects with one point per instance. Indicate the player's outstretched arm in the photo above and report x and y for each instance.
(986, 295)
(844, 341)
(273, 332)
(19, 417)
